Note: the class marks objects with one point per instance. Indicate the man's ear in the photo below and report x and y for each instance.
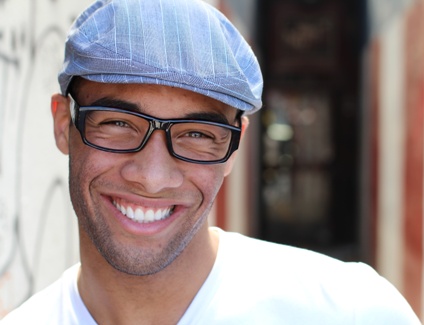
(230, 162)
(61, 120)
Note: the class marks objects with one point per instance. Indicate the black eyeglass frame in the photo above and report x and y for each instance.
(79, 113)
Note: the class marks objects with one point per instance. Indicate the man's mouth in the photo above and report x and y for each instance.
(142, 214)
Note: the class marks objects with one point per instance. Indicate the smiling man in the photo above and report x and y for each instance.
(152, 108)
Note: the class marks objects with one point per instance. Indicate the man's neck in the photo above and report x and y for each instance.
(113, 297)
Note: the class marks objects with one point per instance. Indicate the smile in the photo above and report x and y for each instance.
(143, 215)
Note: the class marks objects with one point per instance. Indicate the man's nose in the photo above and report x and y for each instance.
(153, 167)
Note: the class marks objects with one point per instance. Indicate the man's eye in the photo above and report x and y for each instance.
(196, 135)
(121, 124)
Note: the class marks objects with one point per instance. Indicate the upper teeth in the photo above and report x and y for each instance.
(141, 216)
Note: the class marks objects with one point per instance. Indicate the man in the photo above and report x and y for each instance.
(153, 93)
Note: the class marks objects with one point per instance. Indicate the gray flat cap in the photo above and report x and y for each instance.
(181, 43)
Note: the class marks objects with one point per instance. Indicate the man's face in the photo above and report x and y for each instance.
(105, 186)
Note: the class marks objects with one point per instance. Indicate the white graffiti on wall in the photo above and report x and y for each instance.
(38, 236)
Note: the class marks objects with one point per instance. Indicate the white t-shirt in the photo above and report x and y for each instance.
(254, 282)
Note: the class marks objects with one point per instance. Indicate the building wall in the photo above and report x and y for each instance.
(38, 237)
(393, 144)
(413, 266)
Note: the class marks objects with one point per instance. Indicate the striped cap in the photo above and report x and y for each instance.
(181, 43)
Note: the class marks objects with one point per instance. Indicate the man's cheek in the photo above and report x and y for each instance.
(213, 179)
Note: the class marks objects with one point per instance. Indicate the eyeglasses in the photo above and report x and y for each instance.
(123, 131)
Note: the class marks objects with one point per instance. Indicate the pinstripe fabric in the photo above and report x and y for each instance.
(181, 43)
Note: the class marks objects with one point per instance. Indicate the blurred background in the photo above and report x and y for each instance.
(333, 162)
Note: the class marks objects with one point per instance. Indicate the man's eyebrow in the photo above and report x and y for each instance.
(129, 106)
(208, 116)
(116, 103)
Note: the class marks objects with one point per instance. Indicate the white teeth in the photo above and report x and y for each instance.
(143, 217)
(158, 214)
(150, 216)
(130, 213)
(139, 215)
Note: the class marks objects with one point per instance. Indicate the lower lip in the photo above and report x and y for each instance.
(142, 229)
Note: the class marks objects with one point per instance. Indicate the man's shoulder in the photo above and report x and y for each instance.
(280, 284)
(294, 266)
(308, 282)
(47, 305)
(279, 254)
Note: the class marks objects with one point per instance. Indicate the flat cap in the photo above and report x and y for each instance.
(181, 43)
